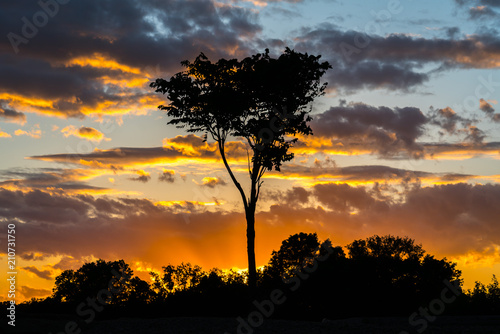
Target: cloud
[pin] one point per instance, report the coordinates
(143, 176)
(32, 256)
(264, 3)
(51, 179)
(45, 274)
(460, 151)
(481, 12)
(382, 130)
(35, 132)
(91, 60)
(83, 225)
(4, 134)
(177, 150)
(493, 3)
(475, 135)
(394, 61)
(447, 119)
(84, 132)
(486, 107)
(11, 115)
(167, 176)
(29, 292)
(212, 182)
(367, 174)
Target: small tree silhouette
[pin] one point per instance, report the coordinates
(264, 100)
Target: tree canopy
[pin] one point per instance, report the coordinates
(259, 98)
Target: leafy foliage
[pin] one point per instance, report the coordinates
(86, 282)
(260, 98)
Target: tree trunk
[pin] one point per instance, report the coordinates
(252, 270)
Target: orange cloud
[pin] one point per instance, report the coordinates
(167, 175)
(29, 292)
(211, 182)
(11, 115)
(84, 132)
(4, 134)
(142, 176)
(365, 175)
(35, 132)
(180, 150)
(98, 60)
(461, 151)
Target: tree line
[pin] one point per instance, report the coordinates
(377, 276)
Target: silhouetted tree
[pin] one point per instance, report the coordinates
(485, 299)
(139, 292)
(393, 272)
(86, 282)
(297, 251)
(264, 100)
(177, 278)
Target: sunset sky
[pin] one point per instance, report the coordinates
(406, 140)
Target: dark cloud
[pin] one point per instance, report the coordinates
(387, 131)
(142, 176)
(297, 196)
(447, 119)
(136, 35)
(474, 134)
(44, 178)
(212, 182)
(486, 107)
(481, 12)
(395, 61)
(189, 147)
(492, 3)
(45, 274)
(167, 176)
(343, 198)
(32, 256)
(377, 174)
(11, 115)
(461, 150)
(372, 74)
(29, 292)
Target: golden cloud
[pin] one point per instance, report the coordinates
(35, 132)
(180, 150)
(4, 134)
(84, 132)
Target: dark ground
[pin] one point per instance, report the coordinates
(446, 324)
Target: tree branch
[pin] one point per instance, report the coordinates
(220, 142)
